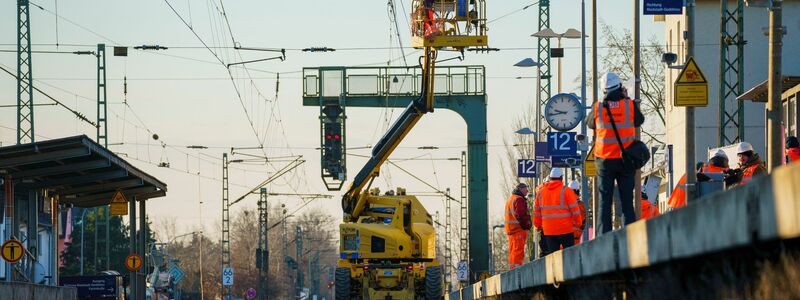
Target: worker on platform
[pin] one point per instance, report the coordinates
(517, 224)
(556, 214)
(792, 149)
(649, 209)
(716, 164)
(610, 167)
(750, 165)
(575, 186)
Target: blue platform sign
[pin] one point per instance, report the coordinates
(540, 152)
(562, 143)
(104, 287)
(569, 161)
(663, 7)
(526, 168)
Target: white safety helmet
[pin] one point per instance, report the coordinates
(556, 173)
(720, 153)
(610, 81)
(744, 147)
(575, 185)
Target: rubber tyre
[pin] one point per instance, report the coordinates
(342, 283)
(433, 283)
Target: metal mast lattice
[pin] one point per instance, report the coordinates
(464, 214)
(25, 133)
(226, 223)
(263, 244)
(448, 243)
(731, 73)
(543, 50)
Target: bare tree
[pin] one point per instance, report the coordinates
(619, 59)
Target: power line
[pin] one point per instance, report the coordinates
(74, 112)
(513, 12)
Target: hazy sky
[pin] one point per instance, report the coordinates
(184, 94)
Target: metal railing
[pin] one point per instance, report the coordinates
(391, 81)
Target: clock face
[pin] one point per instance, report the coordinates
(563, 112)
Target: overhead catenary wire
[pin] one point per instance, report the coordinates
(74, 112)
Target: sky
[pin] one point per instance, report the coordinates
(186, 96)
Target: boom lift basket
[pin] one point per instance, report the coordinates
(453, 24)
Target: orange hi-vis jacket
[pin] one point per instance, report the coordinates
(579, 232)
(512, 225)
(649, 210)
(606, 145)
(555, 209)
(678, 196)
(793, 154)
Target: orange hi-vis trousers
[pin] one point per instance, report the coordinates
(516, 248)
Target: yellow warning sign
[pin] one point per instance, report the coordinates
(119, 206)
(691, 73)
(133, 262)
(589, 167)
(691, 87)
(12, 251)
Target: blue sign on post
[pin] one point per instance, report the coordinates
(526, 168)
(663, 7)
(540, 151)
(562, 143)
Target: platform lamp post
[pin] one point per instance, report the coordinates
(529, 63)
(531, 235)
(548, 33)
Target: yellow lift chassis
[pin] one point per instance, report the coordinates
(388, 242)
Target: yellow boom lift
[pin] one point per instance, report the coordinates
(388, 247)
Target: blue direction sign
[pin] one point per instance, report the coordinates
(526, 168)
(565, 161)
(663, 7)
(562, 143)
(106, 287)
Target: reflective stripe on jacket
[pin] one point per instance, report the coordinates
(606, 145)
(678, 196)
(512, 224)
(556, 209)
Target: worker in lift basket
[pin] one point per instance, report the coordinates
(615, 106)
(792, 149)
(716, 164)
(556, 214)
(750, 165)
(575, 186)
(517, 224)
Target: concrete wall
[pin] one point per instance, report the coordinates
(707, 55)
(24, 291)
(747, 217)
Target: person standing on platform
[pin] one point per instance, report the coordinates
(616, 109)
(517, 224)
(556, 214)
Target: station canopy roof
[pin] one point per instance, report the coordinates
(77, 169)
(759, 92)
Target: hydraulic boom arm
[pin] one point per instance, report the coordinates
(353, 201)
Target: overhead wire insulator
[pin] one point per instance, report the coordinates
(319, 49)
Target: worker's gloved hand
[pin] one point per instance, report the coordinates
(702, 177)
(733, 176)
(577, 234)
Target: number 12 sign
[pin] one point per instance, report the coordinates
(562, 143)
(526, 168)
